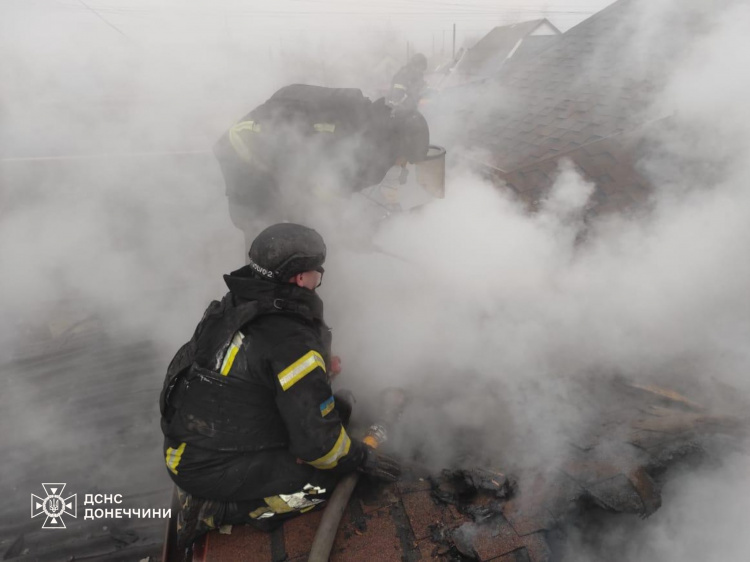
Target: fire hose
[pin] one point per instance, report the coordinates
(329, 523)
(394, 401)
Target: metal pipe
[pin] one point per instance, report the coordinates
(329, 523)
(454, 41)
(105, 156)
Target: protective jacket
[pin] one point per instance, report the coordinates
(253, 378)
(407, 87)
(305, 137)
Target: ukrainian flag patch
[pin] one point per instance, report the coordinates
(326, 407)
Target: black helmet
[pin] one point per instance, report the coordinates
(419, 61)
(286, 249)
(413, 135)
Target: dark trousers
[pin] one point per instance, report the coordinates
(252, 476)
(263, 489)
(258, 199)
(248, 488)
(252, 195)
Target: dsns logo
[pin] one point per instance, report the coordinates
(54, 506)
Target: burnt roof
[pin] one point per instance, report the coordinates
(485, 515)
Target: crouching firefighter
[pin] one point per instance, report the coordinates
(252, 431)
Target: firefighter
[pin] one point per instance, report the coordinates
(252, 431)
(408, 84)
(308, 145)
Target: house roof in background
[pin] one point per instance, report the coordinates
(580, 93)
(501, 45)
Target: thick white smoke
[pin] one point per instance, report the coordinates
(497, 315)
(114, 229)
(492, 316)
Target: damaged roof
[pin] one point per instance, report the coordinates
(586, 96)
(96, 386)
(81, 406)
(479, 514)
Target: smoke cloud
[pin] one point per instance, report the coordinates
(496, 319)
(501, 319)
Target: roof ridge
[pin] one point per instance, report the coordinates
(557, 42)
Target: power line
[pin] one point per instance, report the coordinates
(456, 9)
(368, 14)
(97, 14)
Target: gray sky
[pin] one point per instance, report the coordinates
(70, 55)
(420, 21)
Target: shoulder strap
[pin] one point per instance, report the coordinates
(220, 321)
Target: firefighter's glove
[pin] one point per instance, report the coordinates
(380, 466)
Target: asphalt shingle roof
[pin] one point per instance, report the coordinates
(585, 96)
(502, 44)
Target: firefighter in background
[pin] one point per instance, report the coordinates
(252, 430)
(408, 84)
(309, 144)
